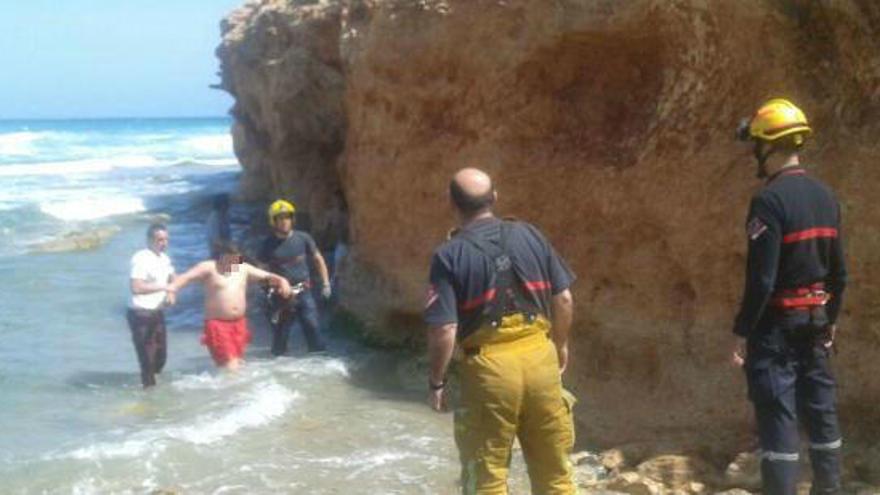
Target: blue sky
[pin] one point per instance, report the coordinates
(111, 58)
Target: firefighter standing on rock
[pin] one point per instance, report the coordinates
(795, 280)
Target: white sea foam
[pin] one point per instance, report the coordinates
(260, 407)
(100, 165)
(126, 449)
(213, 381)
(27, 144)
(22, 144)
(88, 166)
(315, 366)
(202, 381)
(257, 407)
(379, 459)
(92, 208)
(362, 462)
(212, 162)
(212, 145)
(19, 143)
(151, 137)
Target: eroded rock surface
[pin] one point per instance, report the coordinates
(607, 123)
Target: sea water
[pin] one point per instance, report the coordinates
(74, 418)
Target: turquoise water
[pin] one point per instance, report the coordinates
(74, 418)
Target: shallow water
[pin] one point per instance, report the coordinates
(74, 418)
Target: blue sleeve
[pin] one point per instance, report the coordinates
(440, 303)
(561, 276)
(764, 233)
(836, 280)
(264, 255)
(311, 247)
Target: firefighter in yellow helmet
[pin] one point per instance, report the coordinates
(777, 127)
(280, 207)
(785, 328)
(494, 286)
(292, 254)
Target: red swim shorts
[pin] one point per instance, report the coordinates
(226, 339)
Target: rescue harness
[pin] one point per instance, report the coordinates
(507, 294)
(802, 298)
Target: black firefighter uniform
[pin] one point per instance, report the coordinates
(794, 286)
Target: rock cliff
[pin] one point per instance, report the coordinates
(607, 123)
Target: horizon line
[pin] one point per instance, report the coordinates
(150, 117)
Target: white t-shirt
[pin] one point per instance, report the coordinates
(151, 268)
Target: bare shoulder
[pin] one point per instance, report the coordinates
(254, 272)
(249, 268)
(204, 268)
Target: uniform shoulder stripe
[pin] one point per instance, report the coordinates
(814, 233)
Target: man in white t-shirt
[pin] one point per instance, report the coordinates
(151, 272)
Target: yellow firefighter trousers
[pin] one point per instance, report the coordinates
(511, 388)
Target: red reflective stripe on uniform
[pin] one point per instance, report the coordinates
(796, 302)
(800, 291)
(478, 301)
(803, 235)
(801, 297)
(535, 286)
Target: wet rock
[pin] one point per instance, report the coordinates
(744, 471)
(613, 460)
(695, 487)
(860, 488)
(156, 217)
(735, 491)
(678, 472)
(588, 469)
(77, 241)
(633, 483)
(803, 488)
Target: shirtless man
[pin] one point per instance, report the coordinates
(225, 280)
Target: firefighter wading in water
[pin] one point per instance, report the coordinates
(794, 286)
(494, 286)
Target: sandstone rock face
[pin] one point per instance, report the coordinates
(608, 124)
(281, 62)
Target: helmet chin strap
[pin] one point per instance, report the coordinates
(762, 157)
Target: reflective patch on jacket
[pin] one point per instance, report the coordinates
(755, 228)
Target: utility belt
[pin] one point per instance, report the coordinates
(515, 331)
(809, 302)
(275, 304)
(802, 299)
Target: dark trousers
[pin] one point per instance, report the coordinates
(789, 378)
(302, 312)
(148, 336)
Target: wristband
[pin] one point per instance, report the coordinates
(437, 386)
